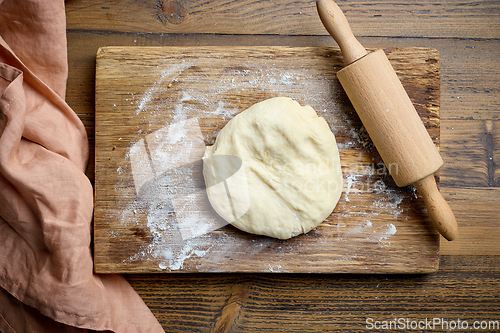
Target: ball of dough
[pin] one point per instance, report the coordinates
(274, 169)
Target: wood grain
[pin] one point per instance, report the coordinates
(479, 216)
(469, 89)
(478, 102)
(476, 139)
(466, 287)
(129, 93)
(468, 19)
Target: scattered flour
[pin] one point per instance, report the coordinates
(373, 233)
(390, 199)
(186, 97)
(170, 118)
(382, 233)
(350, 179)
(170, 192)
(274, 268)
(359, 179)
(165, 75)
(176, 263)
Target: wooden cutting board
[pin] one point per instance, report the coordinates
(158, 107)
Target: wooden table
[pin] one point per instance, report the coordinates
(466, 287)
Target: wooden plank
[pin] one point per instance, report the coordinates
(455, 113)
(322, 303)
(469, 75)
(471, 80)
(492, 138)
(467, 19)
(474, 81)
(470, 152)
(477, 87)
(142, 92)
(478, 214)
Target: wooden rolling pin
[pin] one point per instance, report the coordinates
(389, 117)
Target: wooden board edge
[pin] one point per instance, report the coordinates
(103, 51)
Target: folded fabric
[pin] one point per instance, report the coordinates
(46, 201)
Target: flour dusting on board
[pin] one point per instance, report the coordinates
(387, 203)
(350, 180)
(379, 233)
(171, 210)
(165, 162)
(165, 75)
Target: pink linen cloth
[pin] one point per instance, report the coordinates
(46, 201)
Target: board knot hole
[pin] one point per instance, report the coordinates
(172, 11)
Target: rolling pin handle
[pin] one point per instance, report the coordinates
(336, 24)
(438, 209)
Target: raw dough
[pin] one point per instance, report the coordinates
(274, 169)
